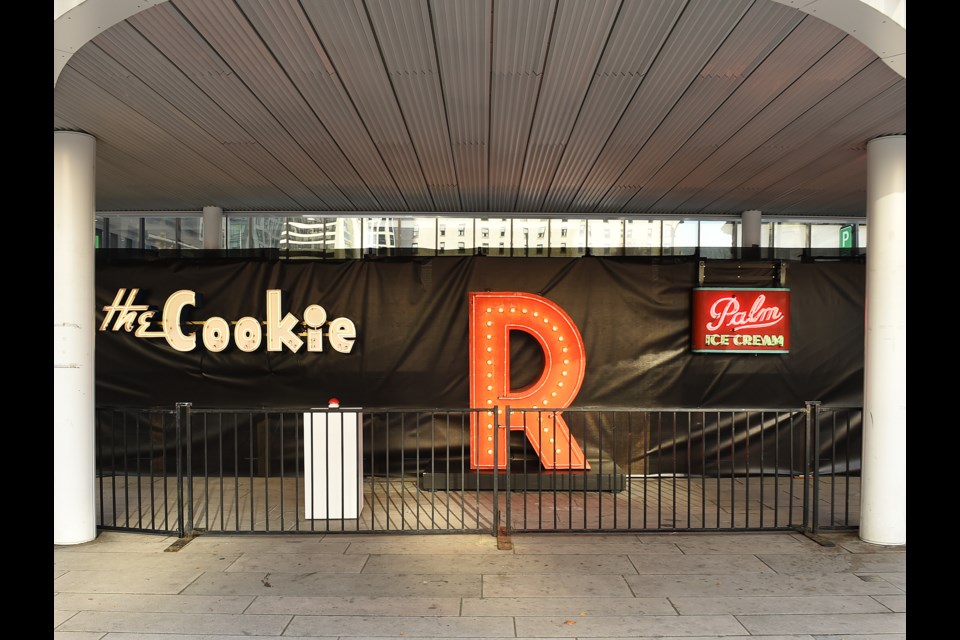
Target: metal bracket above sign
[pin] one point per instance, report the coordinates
(764, 273)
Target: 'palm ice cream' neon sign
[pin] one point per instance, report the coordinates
(741, 320)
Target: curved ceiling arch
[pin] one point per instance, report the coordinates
(523, 107)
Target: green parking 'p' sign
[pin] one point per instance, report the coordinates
(846, 237)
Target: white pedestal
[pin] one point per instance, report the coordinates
(332, 464)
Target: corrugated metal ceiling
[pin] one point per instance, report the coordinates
(597, 107)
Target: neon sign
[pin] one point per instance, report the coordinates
(741, 320)
(247, 332)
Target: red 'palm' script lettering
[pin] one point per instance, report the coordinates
(726, 313)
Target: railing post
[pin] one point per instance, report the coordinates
(496, 472)
(184, 449)
(814, 412)
(806, 467)
(509, 498)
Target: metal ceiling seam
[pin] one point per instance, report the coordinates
(343, 124)
(797, 188)
(849, 97)
(376, 103)
(768, 25)
(160, 74)
(789, 164)
(736, 117)
(437, 171)
(427, 137)
(657, 153)
(619, 73)
(443, 98)
(674, 80)
(163, 111)
(577, 45)
(522, 142)
(266, 137)
(137, 168)
(460, 60)
(674, 61)
(132, 125)
(793, 102)
(265, 76)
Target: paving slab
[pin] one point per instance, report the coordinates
(566, 606)
(79, 635)
(757, 584)
(358, 606)
(698, 564)
(132, 580)
(205, 636)
(555, 585)
(760, 545)
(836, 563)
(122, 542)
(628, 626)
(344, 584)
(403, 626)
(736, 637)
(894, 603)
(852, 623)
(488, 564)
(898, 580)
(866, 636)
(195, 623)
(735, 605)
(551, 547)
(460, 544)
(61, 615)
(298, 563)
(105, 561)
(265, 544)
(152, 603)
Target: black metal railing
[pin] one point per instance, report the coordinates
(300, 470)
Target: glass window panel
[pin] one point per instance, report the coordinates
(160, 233)
(605, 237)
(642, 237)
(790, 234)
(717, 233)
(460, 230)
(680, 237)
(525, 235)
(567, 237)
(825, 236)
(380, 236)
(717, 238)
(255, 232)
(191, 233)
(100, 233)
(765, 231)
(419, 234)
(498, 229)
(124, 232)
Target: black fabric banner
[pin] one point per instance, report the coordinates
(411, 348)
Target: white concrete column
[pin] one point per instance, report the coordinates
(750, 235)
(74, 319)
(883, 499)
(212, 228)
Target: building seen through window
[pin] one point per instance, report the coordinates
(354, 237)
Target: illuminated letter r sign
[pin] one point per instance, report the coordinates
(492, 317)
